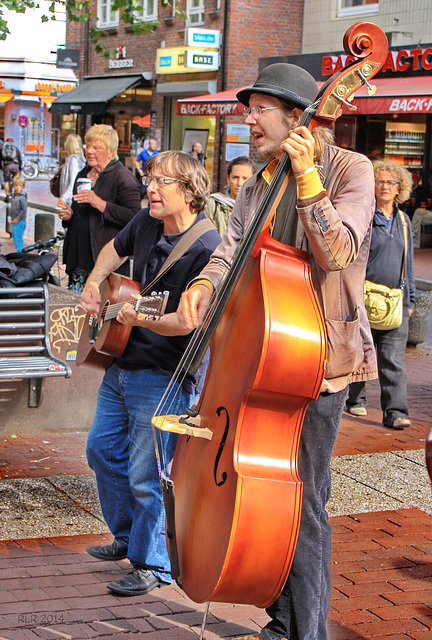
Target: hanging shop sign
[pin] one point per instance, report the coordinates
(67, 59)
(203, 60)
(185, 60)
(202, 38)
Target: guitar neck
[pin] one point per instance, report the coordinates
(153, 305)
(110, 312)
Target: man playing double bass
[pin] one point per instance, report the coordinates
(331, 221)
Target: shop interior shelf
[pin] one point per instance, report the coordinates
(394, 152)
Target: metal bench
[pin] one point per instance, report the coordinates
(25, 351)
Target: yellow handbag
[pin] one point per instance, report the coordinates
(384, 306)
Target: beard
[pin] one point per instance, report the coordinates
(264, 155)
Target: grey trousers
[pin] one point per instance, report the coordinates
(301, 611)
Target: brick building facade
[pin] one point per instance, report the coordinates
(249, 31)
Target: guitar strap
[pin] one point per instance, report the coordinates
(186, 241)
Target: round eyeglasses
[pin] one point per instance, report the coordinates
(91, 147)
(256, 111)
(391, 183)
(158, 180)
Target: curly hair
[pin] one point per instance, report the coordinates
(193, 179)
(401, 174)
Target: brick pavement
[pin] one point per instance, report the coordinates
(381, 563)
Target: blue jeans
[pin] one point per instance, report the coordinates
(301, 610)
(18, 235)
(121, 452)
(390, 347)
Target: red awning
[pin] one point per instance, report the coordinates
(393, 95)
(223, 103)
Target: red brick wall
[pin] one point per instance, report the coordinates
(257, 30)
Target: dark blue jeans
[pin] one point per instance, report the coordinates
(390, 347)
(301, 611)
(121, 452)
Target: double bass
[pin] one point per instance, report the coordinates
(233, 495)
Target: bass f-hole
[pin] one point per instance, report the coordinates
(222, 443)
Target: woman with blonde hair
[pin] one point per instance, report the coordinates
(75, 161)
(110, 199)
(393, 185)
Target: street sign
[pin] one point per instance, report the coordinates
(23, 121)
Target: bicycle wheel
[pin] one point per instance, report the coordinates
(30, 170)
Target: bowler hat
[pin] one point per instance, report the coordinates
(288, 82)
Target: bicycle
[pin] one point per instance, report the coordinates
(45, 247)
(40, 164)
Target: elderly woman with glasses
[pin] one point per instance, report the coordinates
(106, 196)
(393, 185)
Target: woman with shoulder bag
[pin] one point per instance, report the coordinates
(390, 264)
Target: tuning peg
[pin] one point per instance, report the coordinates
(371, 87)
(350, 106)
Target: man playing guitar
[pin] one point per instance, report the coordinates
(120, 447)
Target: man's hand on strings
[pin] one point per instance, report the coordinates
(192, 306)
(91, 298)
(300, 146)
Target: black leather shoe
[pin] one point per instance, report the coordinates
(114, 551)
(138, 582)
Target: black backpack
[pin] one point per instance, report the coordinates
(20, 269)
(9, 152)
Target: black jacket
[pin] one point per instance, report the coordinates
(89, 230)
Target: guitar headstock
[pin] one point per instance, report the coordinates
(368, 46)
(153, 305)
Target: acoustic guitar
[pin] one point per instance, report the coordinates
(103, 338)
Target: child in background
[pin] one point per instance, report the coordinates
(18, 212)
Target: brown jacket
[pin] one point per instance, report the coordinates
(334, 228)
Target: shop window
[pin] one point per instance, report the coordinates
(357, 7)
(195, 12)
(107, 16)
(149, 10)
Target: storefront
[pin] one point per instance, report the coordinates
(27, 90)
(188, 71)
(394, 123)
(123, 101)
